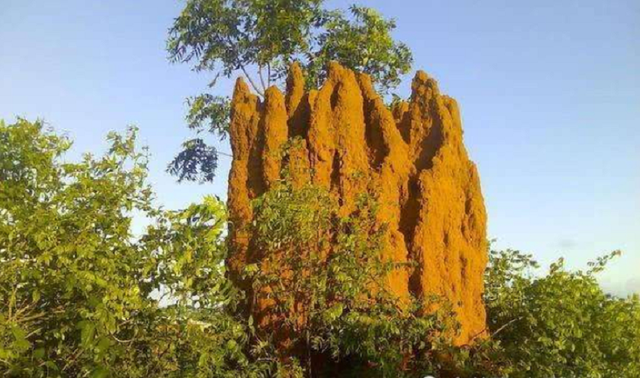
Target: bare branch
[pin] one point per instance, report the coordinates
(269, 73)
(255, 87)
(264, 88)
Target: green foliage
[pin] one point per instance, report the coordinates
(69, 270)
(80, 294)
(260, 39)
(324, 274)
(197, 161)
(225, 36)
(196, 335)
(363, 43)
(561, 324)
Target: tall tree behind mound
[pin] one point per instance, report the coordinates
(259, 39)
(411, 157)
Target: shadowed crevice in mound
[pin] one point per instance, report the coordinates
(411, 157)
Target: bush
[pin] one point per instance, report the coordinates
(79, 293)
(561, 324)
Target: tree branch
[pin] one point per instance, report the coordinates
(497, 331)
(253, 84)
(264, 88)
(269, 73)
(255, 87)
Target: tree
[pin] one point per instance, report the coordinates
(561, 324)
(260, 39)
(68, 264)
(81, 295)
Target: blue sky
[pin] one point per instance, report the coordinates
(549, 93)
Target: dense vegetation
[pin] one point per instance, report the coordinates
(82, 295)
(561, 324)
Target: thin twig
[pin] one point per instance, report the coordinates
(505, 326)
(74, 356)
(124, 341)
(255, 87)
(269, 73)
(497, 331)
(261, 78)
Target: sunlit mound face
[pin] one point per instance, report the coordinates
(411, 158)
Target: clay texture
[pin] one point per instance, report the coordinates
(412, 157)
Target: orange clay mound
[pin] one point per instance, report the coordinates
(412, 157)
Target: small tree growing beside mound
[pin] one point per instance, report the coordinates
(320, 279)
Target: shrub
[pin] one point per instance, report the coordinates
(561, 324)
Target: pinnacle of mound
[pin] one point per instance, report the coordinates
(275, 128)
(346, 139)
(245, 177)
(297, 102)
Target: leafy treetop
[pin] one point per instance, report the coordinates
(260, 39)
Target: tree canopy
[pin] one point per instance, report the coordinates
(260, 39)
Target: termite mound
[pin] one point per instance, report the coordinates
(411, 155)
